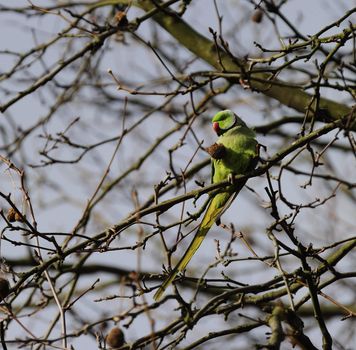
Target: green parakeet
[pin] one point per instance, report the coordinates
(234, 153)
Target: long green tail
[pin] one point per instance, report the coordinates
(215, 207)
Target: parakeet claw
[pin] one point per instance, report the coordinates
(231, 179)
(258, 152)
(259, 146)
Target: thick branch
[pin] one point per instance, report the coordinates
(206, 49)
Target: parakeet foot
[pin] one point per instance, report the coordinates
(258, 149)
(231, 179)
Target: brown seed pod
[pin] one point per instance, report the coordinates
(257, 16)
(216, 151)
(11, 214)
(4, 288)
(115, 338)
(19, 218)
(121, 19)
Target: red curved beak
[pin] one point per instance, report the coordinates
(216, 127)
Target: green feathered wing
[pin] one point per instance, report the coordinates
(241, 155)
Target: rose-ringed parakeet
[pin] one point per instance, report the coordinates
(234, 153)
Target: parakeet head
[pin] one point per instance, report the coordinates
(225, 120)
